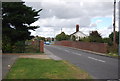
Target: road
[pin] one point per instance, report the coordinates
(99, 67)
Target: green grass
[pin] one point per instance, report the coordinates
(113, 55)
(45, 69)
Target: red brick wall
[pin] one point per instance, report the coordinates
(91, 46)
(41, 46)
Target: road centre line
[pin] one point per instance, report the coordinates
(67, 50)
(73, 52)
(88, 57)
(77, 54)
(96, 59)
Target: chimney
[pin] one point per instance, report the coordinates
(77, 28)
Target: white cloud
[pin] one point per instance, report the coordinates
(61, 14)
(105, 32)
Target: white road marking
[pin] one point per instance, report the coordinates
(67, 50)
(77, 54)
(96, 59)
(73, 52)
(101, 60)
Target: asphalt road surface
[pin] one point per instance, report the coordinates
(99, 67)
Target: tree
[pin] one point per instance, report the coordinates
(62, 36)
(117, 37)
(73, 38)
(40, 38)
(108, 41)
(95, 37)
(85, 39)
(17, 18)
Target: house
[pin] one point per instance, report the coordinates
(78, 34)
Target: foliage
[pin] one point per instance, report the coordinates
(53, 39)
(62, 36)
(6, 45)
(85, 39)
(95, 37)
(17, 18)
(117, 37)
(32, 46)
(32, 49)
(40, 38)
(73, 38)
(112, 49)
(19, 47)
(108, 41)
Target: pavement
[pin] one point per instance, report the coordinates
(7, 60)
(99, 67)
(0, 67)
(35, 56)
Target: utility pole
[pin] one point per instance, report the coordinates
(114, 33)
(61, 30)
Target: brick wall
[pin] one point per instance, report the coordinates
(91, 46)
(41, 46)
(38, 45)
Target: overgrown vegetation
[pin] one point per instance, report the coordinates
(19, 47)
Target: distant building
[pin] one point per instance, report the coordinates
(78, 34)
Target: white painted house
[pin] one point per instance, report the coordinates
(78, 34)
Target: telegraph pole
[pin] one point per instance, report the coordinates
(114, 33)
(61, 30)
(119, 27)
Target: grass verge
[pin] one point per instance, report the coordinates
(115, 55)
(45, 69)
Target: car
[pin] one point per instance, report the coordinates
(47, 43)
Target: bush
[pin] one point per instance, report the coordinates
(112, 49)
(85, 39)
(108, 41)
(19, 47)
(32, 49)
(6, 45)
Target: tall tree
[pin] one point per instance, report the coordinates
(62, 36)
(95, 37)
(117, 37)
(17, 18)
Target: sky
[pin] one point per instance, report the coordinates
(63, 15)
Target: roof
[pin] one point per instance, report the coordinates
(80, 32)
